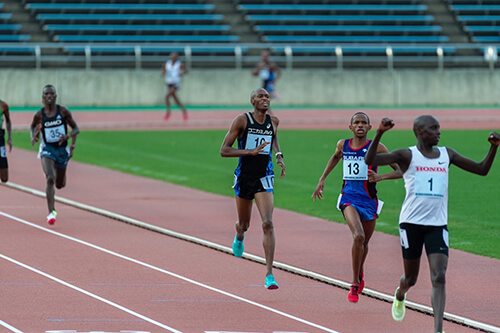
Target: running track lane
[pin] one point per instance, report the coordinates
(40, 303)
(102, 275)
(302, 241)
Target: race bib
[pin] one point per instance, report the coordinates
(355, 170)
(3, 151)
(255, 140)
(52, 134)
(267, 182)
(430, 184)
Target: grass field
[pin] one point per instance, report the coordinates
(191, 158)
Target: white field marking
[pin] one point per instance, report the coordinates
(76, 240)
(7, 326)
(289, 268)
(64, 283)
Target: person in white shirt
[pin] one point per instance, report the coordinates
(424, 215)
(173, 70)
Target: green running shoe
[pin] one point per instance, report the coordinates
(271, 283)
(238, 246)
(398, 308)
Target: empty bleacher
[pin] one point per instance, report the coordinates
(10, 32)
(377, 22)
(479, 18)
(125, 22)
(312, 31)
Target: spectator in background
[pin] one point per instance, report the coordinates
(173, 70)
(269, 72)
(4, 167)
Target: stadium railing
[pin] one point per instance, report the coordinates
(245, 55)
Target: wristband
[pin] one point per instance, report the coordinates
(279, 153)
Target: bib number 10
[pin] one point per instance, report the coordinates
(255, 140)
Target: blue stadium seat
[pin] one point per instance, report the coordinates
(275, 9)
(15, 38)
(339, 18)
(478, 18)
(348, 28)
(53, 28)
(322, 2)
(487, 39)
(484, 9)
(116, 7)
(129, 17)
(5, 16)
(10, 27)
(482, 28)
(146, 38)
(358, 39)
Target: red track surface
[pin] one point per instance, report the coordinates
(226, 293)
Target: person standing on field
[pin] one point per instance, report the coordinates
(173, 70)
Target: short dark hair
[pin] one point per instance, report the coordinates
(360, 113)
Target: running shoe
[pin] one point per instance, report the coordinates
(167, 117)
(361, 282)
(185, 116)
(353, 295)
(51, 218)
(271, 283)
(398, 307)
(238, 246)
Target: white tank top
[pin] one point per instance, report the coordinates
(426, 183)
(173, 74)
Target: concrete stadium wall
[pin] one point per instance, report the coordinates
(233, 87)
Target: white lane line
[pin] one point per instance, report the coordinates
(76, 240)
(83, 291)
(289, 268)
(10, 327)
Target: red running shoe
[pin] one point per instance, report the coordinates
(353, 295)
(361, 282)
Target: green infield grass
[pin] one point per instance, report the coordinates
(191, 158)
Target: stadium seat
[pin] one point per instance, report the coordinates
(146, 38)
(358, 39)
(331, 9)
(36, 8)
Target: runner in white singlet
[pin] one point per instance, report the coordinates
(424, 217)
